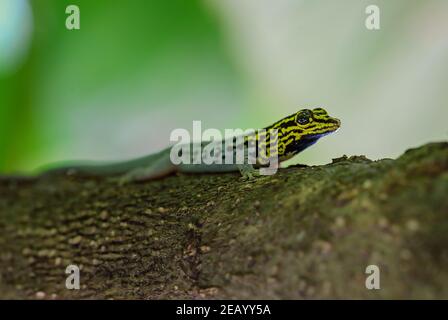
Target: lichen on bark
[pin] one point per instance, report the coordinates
(306, 232)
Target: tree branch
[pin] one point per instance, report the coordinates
(306, 232)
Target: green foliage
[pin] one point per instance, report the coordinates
(125, 60)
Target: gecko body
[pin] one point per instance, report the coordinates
(294, 134)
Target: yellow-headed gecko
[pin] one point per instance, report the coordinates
(294, 134)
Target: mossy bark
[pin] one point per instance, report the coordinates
(306, 232)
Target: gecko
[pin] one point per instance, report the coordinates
(295, 133)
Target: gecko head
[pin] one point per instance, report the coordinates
(302, 129)
(316, 123)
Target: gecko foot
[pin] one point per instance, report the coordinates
(120, 180)
(248, 172)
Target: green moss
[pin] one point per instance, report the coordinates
(306, 232)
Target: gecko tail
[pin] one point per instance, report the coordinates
(95, 168)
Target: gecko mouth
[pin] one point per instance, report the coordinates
(334, 128)
(335, 125)
(326, 131)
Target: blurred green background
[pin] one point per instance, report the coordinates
(138, 69)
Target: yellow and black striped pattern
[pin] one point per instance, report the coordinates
(294, 133)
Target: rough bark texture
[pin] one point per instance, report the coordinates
(306, 232)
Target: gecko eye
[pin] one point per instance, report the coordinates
(303, 117)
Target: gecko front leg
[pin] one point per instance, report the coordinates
(248, 172)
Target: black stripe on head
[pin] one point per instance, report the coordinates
(319, 111)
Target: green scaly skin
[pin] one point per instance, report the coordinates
(295, 133)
